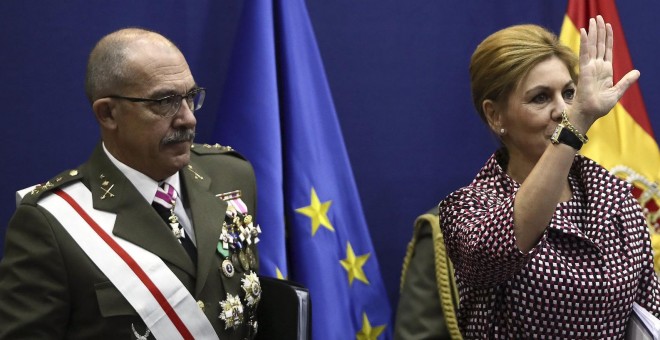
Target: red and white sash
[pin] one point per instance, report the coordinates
(158, 296)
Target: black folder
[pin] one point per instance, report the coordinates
(285, 310)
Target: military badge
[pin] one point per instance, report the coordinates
(227, 268)
(252, 259)
(252, 288)
(232, 311)
(243, 259)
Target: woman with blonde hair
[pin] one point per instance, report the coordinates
(545, 242)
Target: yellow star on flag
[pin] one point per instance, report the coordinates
(318, 212)
(278, 273)
(367, 332)
(353, 265)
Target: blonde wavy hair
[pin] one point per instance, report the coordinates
(505, 57)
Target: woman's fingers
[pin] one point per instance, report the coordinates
(600, 39)
(609, 44)
(597, 41)
(584, 47)
(596, 92)
(591, 39)
(625, 82)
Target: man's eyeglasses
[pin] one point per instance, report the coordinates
(170, 105)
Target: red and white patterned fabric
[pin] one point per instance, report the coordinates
(580, 281)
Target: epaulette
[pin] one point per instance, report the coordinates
(68, 176)
(215, 149)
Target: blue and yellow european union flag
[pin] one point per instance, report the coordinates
(277, 110)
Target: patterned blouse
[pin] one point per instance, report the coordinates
(579, 282)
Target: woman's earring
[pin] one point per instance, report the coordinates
(502, 132)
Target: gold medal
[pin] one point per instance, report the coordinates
(235, 261)
(251, 258)
(244, 261)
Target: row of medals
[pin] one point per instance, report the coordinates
(237, 235)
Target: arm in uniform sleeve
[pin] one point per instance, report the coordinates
(32, 279)
(419, 314)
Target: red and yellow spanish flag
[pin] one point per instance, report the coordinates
(623, 141)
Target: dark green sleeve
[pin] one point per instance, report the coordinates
(419, 314)
(33, 291)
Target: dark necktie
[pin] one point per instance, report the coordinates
(164, 202)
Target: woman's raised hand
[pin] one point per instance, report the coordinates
(596, 94)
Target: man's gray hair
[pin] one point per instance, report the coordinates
(106, 67)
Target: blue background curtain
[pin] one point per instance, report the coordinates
(397, 70)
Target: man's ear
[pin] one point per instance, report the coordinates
(104, 112)
(493, 116)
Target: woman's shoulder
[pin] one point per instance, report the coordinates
(491, 182)
(471, 197)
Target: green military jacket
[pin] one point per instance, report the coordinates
(428, 299)
(50, 289)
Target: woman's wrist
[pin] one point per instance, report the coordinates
(567, 133)
(581, 123)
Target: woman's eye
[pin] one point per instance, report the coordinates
(569, 94)
(541, 98)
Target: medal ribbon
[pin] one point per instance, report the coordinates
(239, 205)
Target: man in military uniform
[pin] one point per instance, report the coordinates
(152, 237)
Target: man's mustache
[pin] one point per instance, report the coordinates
(178, 136)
